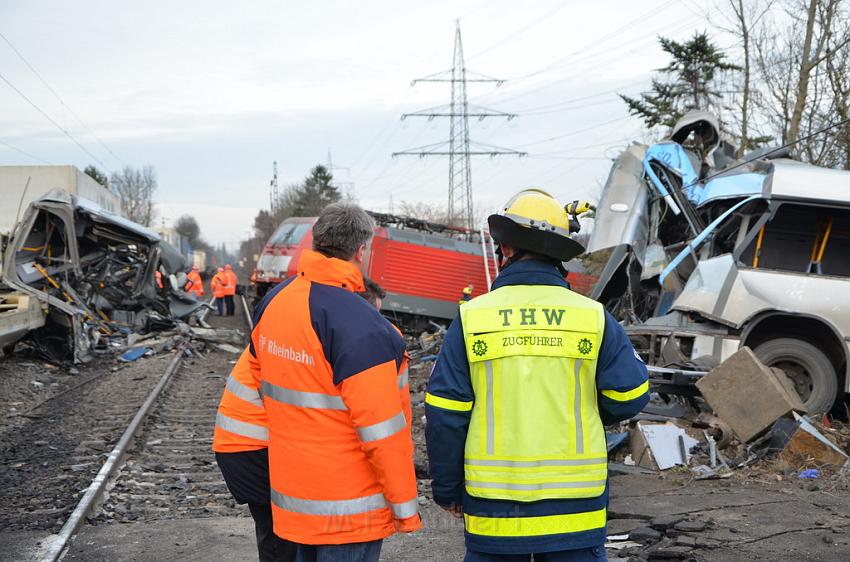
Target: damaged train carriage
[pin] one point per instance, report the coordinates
(710, 253)
(95, 274)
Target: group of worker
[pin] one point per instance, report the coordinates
(313, 430)
(223, 285)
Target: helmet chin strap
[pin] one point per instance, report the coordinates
(518, 255)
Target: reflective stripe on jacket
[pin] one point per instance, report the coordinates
(340, 448)
(241, 423)
(232, 281)
(516, 401)
(534, 433)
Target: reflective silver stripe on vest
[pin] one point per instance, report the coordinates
(535, 464)
(406, 509)
(383, 429)
(490, 414)
(328, 507)
(244, 429)
(536, 486)
(577, 411)
(402, 379)
(302, 399)
(246, 393)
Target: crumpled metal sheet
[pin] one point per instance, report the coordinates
(95, 273)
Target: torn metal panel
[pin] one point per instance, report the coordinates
(773, 255)
(623, 207)
(721, 291)
(95, 272)
(19, 313)
(797, 180)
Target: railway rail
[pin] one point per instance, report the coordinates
(157, 465)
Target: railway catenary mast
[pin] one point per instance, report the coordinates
(460, 148)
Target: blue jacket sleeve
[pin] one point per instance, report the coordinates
(448, 405)
(621, 378)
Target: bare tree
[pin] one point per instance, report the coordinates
(838, 75)
(135, 187)
(743, 20)
(430, 212)
(794, 53)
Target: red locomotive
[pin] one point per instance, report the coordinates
(423, 266)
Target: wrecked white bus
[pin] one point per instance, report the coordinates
(710, 253)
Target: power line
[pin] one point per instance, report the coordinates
(61, 101)
(521, 30)
(677, 25)
(615, 33)
(55, 124)
(24, 152)
(572, 133)
(459, 145)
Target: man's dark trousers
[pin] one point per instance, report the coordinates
(353, 552)
(231, 305)
(247, 477)
(219, 305)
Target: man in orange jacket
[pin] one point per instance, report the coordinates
(230, 289)
(218, 284)
(194, 285)
(327, 363)
(241, 450)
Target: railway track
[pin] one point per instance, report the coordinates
(131, 446)
(171, 472)
(58, 446)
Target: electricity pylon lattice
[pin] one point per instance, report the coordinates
(459, 148)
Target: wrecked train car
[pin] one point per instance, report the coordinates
(97, 275)
(710, 253)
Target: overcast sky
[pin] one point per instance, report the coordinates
(211, 93)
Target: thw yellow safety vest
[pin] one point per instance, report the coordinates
(535, 431)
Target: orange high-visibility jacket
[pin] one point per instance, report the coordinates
(232, 281)
(340, 449)
(218, 284)
(194, 284)
(241, 423)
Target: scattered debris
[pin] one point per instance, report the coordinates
(802, 445)
(747, 395)
(614, 440)
(228, 348)
(661, 446)
(97, 276)
(133, 354)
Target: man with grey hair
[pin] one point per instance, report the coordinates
(340, 448)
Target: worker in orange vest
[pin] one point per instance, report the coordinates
(218, 284)
(241, 443)
(230, 289)
(194, 284)
(327, 366)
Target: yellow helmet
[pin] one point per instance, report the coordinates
(533, 220)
